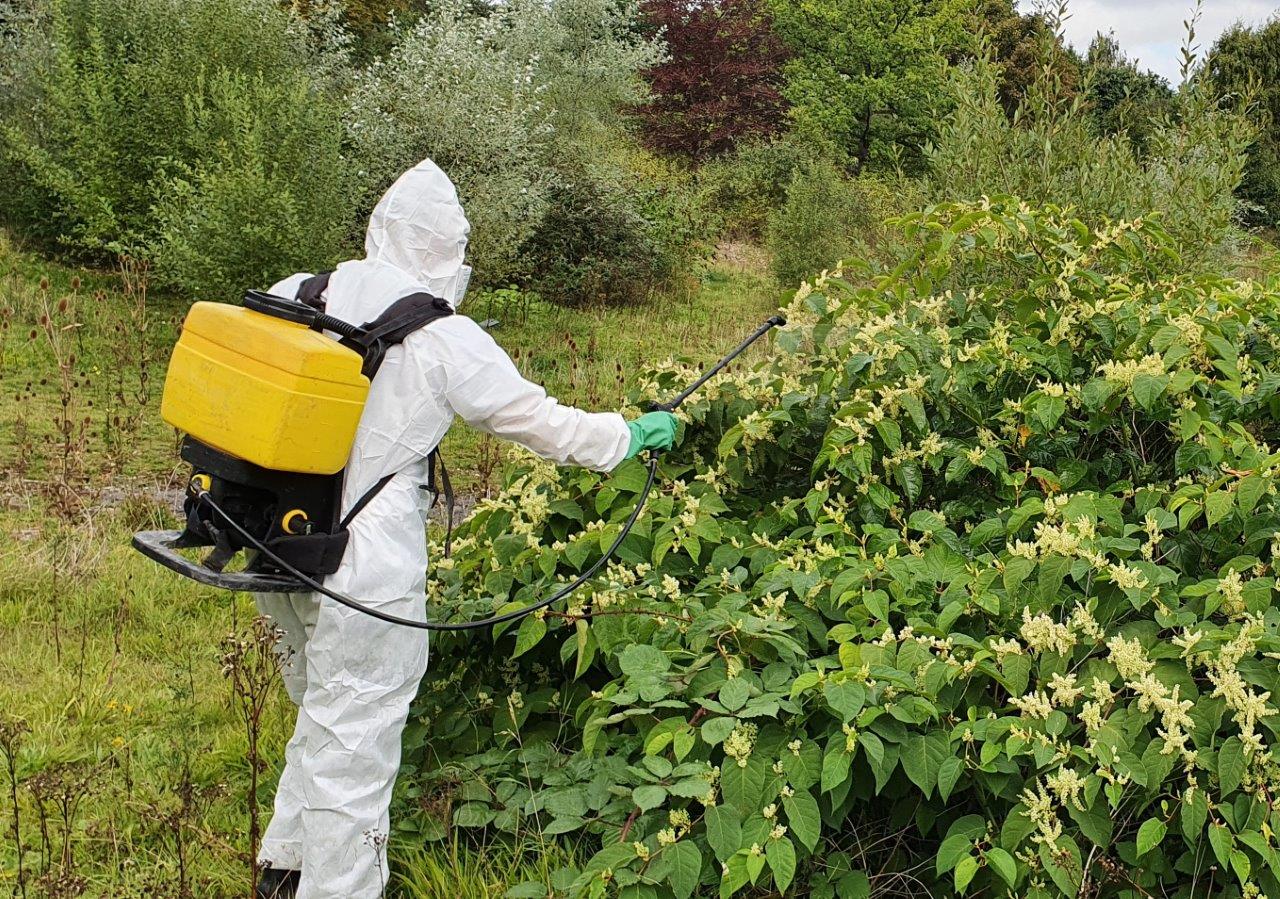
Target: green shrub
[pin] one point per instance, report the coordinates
(969, 587)
(267, 196)
(1244, 64)
(1050, 152)
(1123, 97)
(827, 215)
(610, 235)
(120, 99)
(502, 99)
(746, 188)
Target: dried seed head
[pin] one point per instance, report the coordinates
(75, 282)
(44, 283)
(62, 305)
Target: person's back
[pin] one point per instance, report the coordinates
(353, 676)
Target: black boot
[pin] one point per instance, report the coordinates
(277, 883)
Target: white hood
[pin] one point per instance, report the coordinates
(419, 228)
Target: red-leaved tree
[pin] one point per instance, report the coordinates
(722, 78)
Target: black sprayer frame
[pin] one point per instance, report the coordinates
(162, 545)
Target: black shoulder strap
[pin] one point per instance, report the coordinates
(397, 322)
(437, 482)
(309, 290)
(364, 501)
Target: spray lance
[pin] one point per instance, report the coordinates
(307, 582)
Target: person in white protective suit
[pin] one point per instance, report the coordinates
(352, 676)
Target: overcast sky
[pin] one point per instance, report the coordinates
(1152, 30)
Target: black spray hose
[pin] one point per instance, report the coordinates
(314, 585)
(671, 405)
(202, 496)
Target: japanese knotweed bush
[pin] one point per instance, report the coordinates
(967, 588)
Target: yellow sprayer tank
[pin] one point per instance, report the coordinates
(266, 390)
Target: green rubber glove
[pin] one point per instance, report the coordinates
(653, 430)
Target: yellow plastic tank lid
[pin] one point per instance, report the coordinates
(242, 331)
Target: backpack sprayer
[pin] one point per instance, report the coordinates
(269, 406)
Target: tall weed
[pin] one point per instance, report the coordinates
(1050, 151)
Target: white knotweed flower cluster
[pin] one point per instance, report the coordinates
(740, 743)
(1042, 634)
(1072, 539)
(1057, 390)
(1067, 785)
(679, 819)
(620, 583)
(1131, 660)
(928, 448)
(527, 496)
(670, 587)
(1125, 371)
(1249, 374)
(770, 606)
(1093, 715)
(1247, 705)
(1034, 705)
(807, 555)
(1083, 622)
(1154, 535)
(1065, 691)
(1175, 722)
(891, 394)
(799, 314)
(1191, 330)
(1126, 578)
(1041, 811)
(1004, 648)
(1187, 640)
(1129, 657)
(1054, 503)
(1231, 589)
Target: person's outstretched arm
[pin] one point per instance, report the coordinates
(485, 389)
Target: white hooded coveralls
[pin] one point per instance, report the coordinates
(351, 675)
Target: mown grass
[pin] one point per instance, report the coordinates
(129, 754)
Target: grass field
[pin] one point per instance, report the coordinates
(126, 759)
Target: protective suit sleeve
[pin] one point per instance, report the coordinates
(483, 386)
